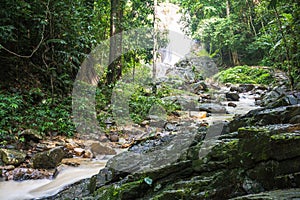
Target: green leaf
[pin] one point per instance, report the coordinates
(13, 105)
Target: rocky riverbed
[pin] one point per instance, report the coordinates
(256, 156)
(212, 148)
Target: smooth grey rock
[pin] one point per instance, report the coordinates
(236, 89)
(212, 108)
(247, 87)
(186, 102)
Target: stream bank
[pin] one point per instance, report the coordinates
(256, 156)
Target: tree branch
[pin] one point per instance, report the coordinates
(39, 44)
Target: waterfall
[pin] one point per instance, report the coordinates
(179, 44)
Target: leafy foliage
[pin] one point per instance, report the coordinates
(248, 32)
(19, 112)
(50, 117)
(245, 74)
(42, 46)
(141, 102)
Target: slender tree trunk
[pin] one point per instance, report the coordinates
(154, 41)
(154, 48)
(119, 42)
(115, 65)
(250, 4)
(232, 52)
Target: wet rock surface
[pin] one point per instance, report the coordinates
(274, 195)
(259, 153)
(232, 96)
(48, 159)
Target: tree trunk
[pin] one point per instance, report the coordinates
(154, 89)
(154, 41)
(115, 65)
(232, 52)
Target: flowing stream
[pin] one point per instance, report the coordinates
(34, 189)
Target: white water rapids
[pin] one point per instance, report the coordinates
(33, 189)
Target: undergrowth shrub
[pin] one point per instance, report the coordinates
(245, 75)
(22, 111)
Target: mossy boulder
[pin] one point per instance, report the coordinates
(48, 159)
(12, 157)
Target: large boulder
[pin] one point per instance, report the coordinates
(247, 87)
(12, 157)
(99, 149)
(48, 159)
(232, 96)
(187, 102)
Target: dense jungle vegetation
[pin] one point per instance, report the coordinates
(43, 43)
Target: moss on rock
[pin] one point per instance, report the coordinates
(12, 157)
